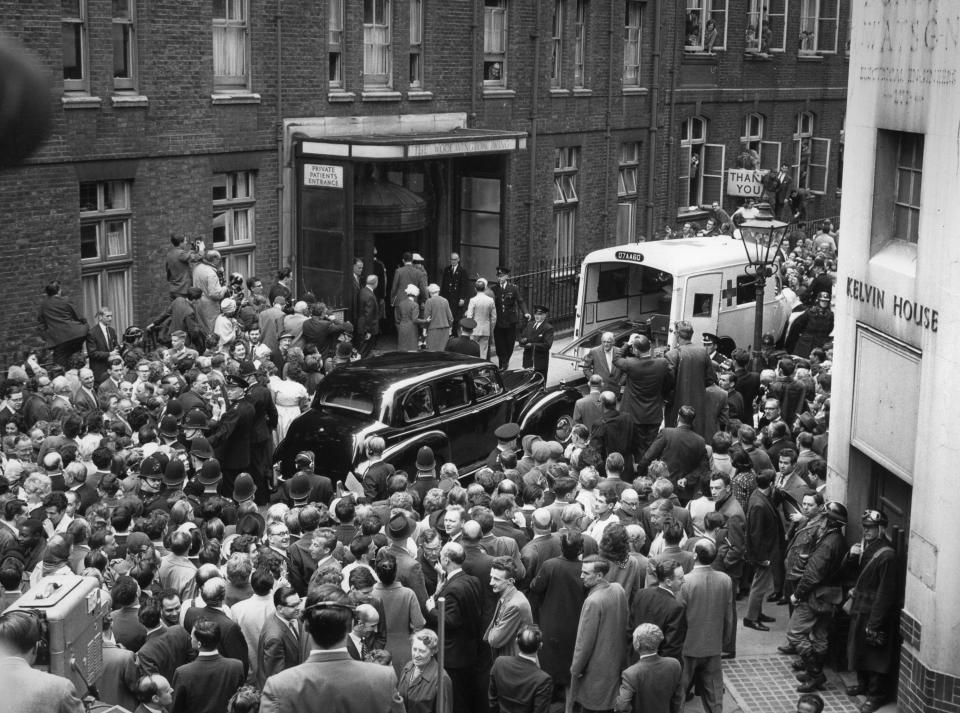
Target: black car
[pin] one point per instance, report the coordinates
(450, 402)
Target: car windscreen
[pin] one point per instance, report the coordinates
(347, 395)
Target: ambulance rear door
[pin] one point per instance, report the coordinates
(701, 302)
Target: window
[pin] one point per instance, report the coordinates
(701, 166)
(557, 44)
(105, 257)
(124, 46)
(811, 155)
(706, 25)
(486, 382)
(755, 153)
(335, 43)
(377, 69)
(580, 45)
(452, 393)
(906, 206)
(233, 221)
(416, 44)
(627, 192)
(495, 43)
(746, 289)
(418, 404)
(819, 24)
(766, 26)
(565, 200)
(74, 31)
(631, 43)
(230, 45)
(480, 218)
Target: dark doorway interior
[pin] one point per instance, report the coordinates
(390, 249)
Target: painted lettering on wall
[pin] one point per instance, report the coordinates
(900, 307)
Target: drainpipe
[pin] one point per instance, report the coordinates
(652, 135)
(671, 147)
(534, 116)
(279, 127)
(476, 40)
(607, 139)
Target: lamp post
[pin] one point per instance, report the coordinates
(761, 241)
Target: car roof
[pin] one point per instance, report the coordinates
(391, 367)
(678, 257)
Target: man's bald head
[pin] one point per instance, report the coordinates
(367, 614)
(541, 519)
(471, 531)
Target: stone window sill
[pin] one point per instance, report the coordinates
(341, 97)
(498, 93)
(419, 95)
(381, 96)
(634, 91)
(81, 101)
(128, 100)
(235, 98)
(582, 92)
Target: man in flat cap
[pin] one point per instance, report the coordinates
(506, 443)
(464, 344)
(510, 308)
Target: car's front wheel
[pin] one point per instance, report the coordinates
(563, 425)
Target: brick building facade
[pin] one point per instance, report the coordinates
(517, 131)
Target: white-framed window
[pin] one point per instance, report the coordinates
(231, 45)
(752, 135)
(416, 44)
(705, 27)
(580, 45)
(906, 206)
(701, 166)
(565, 200)
(495, 43)
(811, 155)
(766, 26)
(756, 153)
(377, 64)
(631, 43)
(335, 43)
(74, 38)
(556, 43)
(819, 26)
(628, 172)
(234, 206)
(124, 46)
(105, 254)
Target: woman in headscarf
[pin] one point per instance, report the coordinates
(408, 328)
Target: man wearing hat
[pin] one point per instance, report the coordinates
(405, 275)
(464, 344)
(456, 287)
(305, 486)
(483, 310)
(536, 340)
(426, 473)
(409, 572)
(691, 371)
(510, 307)
(151, 476)
(264, 422)
(506, 442)
(233, 436)
(874, 613)
(710, 343)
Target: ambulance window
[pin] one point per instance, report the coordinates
(613, 283)
(702, 304)
(746, 289)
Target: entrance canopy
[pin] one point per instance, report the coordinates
(397, 147)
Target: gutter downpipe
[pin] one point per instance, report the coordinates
(534, 116)
(654, 119)
(607, 119)
(280, 132)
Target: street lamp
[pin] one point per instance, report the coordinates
(761, 241)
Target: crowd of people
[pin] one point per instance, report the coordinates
(596, 574)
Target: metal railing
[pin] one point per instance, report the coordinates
(554, 284)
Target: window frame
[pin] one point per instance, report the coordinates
(805, 163)
(566, 200)
(486, 372)
(495, 41)
(627, 200)
(443, 409)
(812, 27)
(556, 44)
(74, 85)
(581, 14)
(415, 76)
(232, 249)
(706, 9)
(632, 36)
(758, 12)
(104, 265)
(378, 81)
(335, 10)
(428, 387)
(913, 212)
(232, 83)
(126, 84)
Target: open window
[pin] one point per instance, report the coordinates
(452, 393)
(418, 404)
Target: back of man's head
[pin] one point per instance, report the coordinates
(214, 591)
(529, 639)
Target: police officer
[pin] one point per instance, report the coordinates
(464, 344)
(506, 443)
(510, 307)
(536, 341)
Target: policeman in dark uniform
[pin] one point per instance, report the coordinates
(536, 340)
(506, 443)
(464, 344)
(510, 308)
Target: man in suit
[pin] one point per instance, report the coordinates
(60, 326)
(206, 684)
(536, 340)
(456, 287)
(179, 271)
(588, 409)
(232, 439)
(600, 361)
(711, 625)
(483, 310)
(406, 274)
(102, 344)
(166, 653)
(512, 612)
(651, 685)
(127, 628)
(230, 640)
(329, 678)
(271, 323)
(279, 645)
(85, 398)
(495, 545)
(368, 317)
(463, 625)
(781, 189)
(691, 371)
(614, 433)
(517, 684)
(544, 546)
(600, 651)
(409, 572)
(763, 546)
(647, 383)
(465, 344)
(660, 605)
(510, 307)
(261, 434)
(354, 285)
(684, 452)
(26, 688)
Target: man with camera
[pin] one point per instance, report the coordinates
(648, 383)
